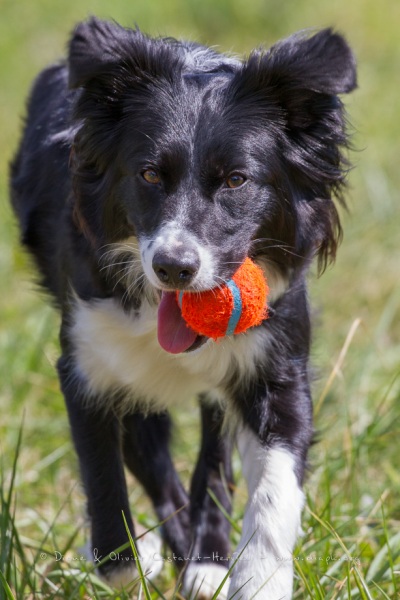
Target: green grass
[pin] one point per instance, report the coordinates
(351, 542)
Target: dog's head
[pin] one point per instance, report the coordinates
(202, 159)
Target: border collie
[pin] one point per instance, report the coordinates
(154, 165)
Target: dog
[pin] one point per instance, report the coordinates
(148, 166)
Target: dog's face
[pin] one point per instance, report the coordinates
(205, 160)
(193, 187)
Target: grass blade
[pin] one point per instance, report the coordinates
(227, 516)
(137, 560)
(6, 587)
(338, 365)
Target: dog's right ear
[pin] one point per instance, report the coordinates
(99, 49)
(93, 49)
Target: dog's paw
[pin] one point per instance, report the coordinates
(149, 548)
(119, 575)
(201, 581)
(261, 579)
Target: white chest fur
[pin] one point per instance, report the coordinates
(115, 350)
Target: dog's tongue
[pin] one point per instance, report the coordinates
(173, 333)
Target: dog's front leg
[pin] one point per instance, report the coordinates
(97, 438)
(273, 462)
(271, 523)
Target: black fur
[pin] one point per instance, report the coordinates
(122, 104)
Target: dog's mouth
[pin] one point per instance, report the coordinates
(174, 335)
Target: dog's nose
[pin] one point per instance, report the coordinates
(176, 269)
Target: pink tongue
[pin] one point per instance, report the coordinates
(173, 333)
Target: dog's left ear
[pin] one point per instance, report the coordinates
(293, 89)
(323, 63)
(298, 75)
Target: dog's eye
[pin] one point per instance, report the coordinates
(235, 180)
(151, 176)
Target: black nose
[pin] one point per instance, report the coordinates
(176, 269)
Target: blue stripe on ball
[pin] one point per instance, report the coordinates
(180, 299)
(237, 307)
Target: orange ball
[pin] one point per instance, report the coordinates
(229, 309)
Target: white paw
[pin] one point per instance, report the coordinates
(149, 549)
(258, 579)
(121, 577)
(201, 581)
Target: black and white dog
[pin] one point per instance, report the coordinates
(153, 165)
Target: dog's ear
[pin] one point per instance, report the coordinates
(103, 52)
(299, 75)
(293, 90)
(92, 50)
(323, 63)
(115, 68)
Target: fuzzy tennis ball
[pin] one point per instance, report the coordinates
(232, 308)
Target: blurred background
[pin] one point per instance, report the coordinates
(356, 352)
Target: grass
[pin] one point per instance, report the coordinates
(351, 542)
